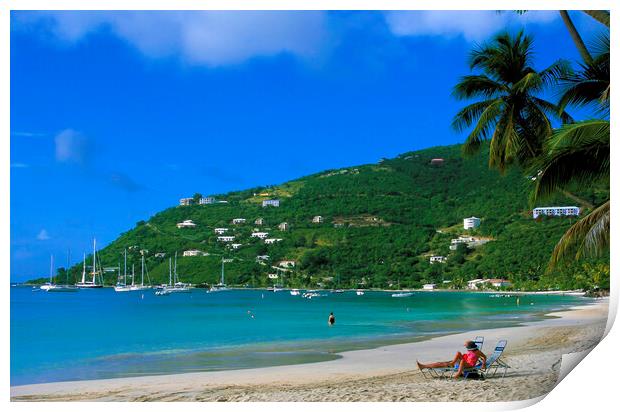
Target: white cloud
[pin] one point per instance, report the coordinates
(43, 235)
(71, 147)
(473, 26)
(211, 38)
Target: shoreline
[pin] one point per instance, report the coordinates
(391, 367)
(286, 289)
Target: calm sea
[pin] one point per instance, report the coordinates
(95, 334)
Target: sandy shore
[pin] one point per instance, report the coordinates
(383, 374)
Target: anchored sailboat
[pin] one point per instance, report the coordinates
(220, 286)
(90, 284)
(51, 287)
(141, 286)
(123, 286)
(177, 286)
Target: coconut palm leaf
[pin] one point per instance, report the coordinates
(576, 153)
(588, 237)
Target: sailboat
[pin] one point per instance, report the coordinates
(123, 286)
(220, 286)
(88, 284)
(141, 286)
(177, 286)
(51, 287)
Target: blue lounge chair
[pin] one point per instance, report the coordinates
(493, 365)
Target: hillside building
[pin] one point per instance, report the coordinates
(192, 252)
(471, 223)
(238, 221)
(437, 161)
(220, 230)
(438, 259)
(556, 211)
(260, 235)
(236, 245)
(283, 226)
(206, 200)
(286, 263)
(272, 241)
(317, 219)
(429, 286)
(186, 223)
(259, 222)
(225, 238)
(186, 201)
(271, 202)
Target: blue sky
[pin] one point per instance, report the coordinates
(116, 115)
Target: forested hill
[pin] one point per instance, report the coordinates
(381, 223)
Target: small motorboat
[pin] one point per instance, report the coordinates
(402, 295)
(295, 292)
(359, 292)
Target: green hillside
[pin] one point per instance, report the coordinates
(381, 223)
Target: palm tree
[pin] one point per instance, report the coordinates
(577, 153)
(510, 113)
(590, 85)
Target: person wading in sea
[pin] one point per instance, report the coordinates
(332, 319)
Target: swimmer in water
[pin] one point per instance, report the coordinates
(332, 319)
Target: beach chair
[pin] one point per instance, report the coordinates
(479, 341)
(493, 365)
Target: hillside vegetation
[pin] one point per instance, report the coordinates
(381, 224)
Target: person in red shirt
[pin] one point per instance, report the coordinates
(461, 361)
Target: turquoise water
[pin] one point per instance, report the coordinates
(97, 334)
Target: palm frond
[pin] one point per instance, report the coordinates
(575, 153)
(477, 86)
(602, 16)
(589, 237)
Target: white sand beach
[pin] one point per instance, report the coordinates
(387, 373)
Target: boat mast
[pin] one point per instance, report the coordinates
(222, 278)
(67, 269)
(176, 279)
(170, 271)
(94, 259)
(125, 270)
(51, 267)
(84, 269)
(142, 276)
(133, 274)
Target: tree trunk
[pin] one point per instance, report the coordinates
(581, 46)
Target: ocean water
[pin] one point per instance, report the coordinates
(94, 334)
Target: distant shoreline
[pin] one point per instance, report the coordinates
(500, 291)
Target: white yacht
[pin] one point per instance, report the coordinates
(52, 287)
(90, 284)
(123, 286)
(220, 286)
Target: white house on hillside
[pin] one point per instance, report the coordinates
(283, 226)
(186, 223)
(238, 221)
(438, 259)
(259, 222)
(286, 263)
(236, 245)
(556, 211)
(225, 238)
(272, 240)
(220, 230)
(192, 252)
(429, 286)
(471, 222)
(317, 219)
(260, 235)
(271, 202)
(206, 200)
